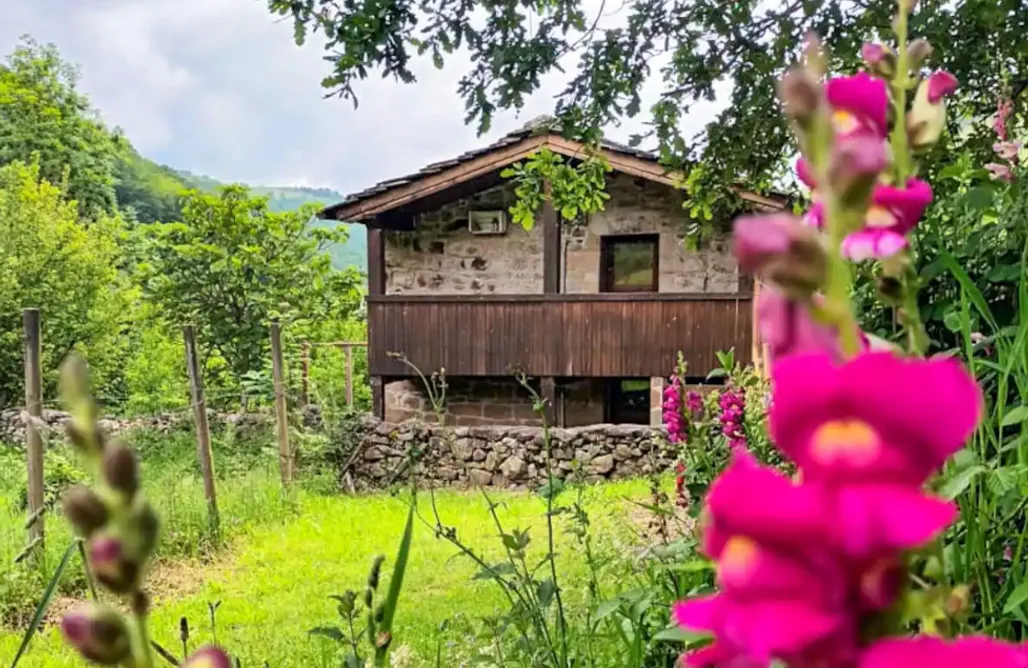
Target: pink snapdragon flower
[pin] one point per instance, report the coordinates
(860, 104)
(733, 412)
(1000, 171)
(877, 417)
(871, 443)
(1007, 150)
(939, 653)
(674, 420)
(788, 328)
(1004, 109)
(893, 214)
(940, 85)
(208, 657)
(694, 404)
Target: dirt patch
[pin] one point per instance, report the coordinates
(167, 580)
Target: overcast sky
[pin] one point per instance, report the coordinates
(218, 87)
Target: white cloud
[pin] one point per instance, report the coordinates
(218, 87)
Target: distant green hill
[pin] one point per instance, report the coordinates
(289, 198)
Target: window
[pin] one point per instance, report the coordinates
(629, 263)
(627, 401)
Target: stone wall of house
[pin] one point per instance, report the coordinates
(493, 401)
(443, 257)
(506, 456)
(637, 206)
(469, 402)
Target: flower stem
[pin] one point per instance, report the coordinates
(900, 83)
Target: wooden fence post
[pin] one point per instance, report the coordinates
(285, 457)
(203, 428)
(349, 375)
(305, 373)
(34, 411)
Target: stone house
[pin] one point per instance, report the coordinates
(593, 313)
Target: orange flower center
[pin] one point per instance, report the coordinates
(879, 217)
(843, 122)
(738, 559)
(851, 440)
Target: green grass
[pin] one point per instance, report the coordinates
(284, 554)
(274, 581)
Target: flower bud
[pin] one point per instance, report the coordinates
(84, 510)
(111, 566)
(854, 167)
(376, 570)
(148, 525)
(208, 657)
(782, 248)
(801, 95)
(88, 440)
(958, 602)
(120, 469)
(927, 116)
(918, 53)
(98, 633)
(880, 60)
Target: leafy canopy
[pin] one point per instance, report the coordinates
(231, 265)
(681, 48)
(51, 260)
(43, 114)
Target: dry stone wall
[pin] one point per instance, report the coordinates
(506, 456)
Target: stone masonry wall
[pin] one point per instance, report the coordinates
(637, 206)
(469, 402)
(443, 257)
(507, 456)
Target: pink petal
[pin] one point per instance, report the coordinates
(863, 96)
(888, 244)
(862, 245)
(701, 613)
(933, 404)
(941, 84)
(804, 389)
(805, 173)
(717, 655)
(873, 519)
(788, 513)
(788, 328)
(908, 203)
(938, 653)
(771, 629)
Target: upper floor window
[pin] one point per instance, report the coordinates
(628, 263)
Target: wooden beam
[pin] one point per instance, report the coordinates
(33, 439)
(550, 221)
(549, 393)
(378, 397)
(376, 263)
(447, 178)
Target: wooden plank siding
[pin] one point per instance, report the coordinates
(557, 335)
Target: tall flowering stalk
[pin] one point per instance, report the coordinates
(816, 570)
(120, 530)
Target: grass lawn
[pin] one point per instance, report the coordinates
(287, 555)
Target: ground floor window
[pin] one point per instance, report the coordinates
(627, 401)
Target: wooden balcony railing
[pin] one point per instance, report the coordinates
(560, 335)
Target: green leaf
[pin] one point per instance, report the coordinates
(545, 592)
(44, 603)
(972, 291)
(1002, 273)
(952, 321)
(1016, 598)
(957, 483)
(1015, 416)
(717, 373)
(678, 634)
(979, 198)
(328, 632)
(396, 582)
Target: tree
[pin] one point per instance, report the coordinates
(513, 45)
(231, 265)
(43, 114)
(51, 260)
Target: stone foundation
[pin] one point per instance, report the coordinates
(12, 426)
(507, 456)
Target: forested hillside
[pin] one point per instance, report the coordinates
(118, 252)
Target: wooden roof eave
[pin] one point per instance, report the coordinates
(365, 209)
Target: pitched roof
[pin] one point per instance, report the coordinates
(534, 135)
